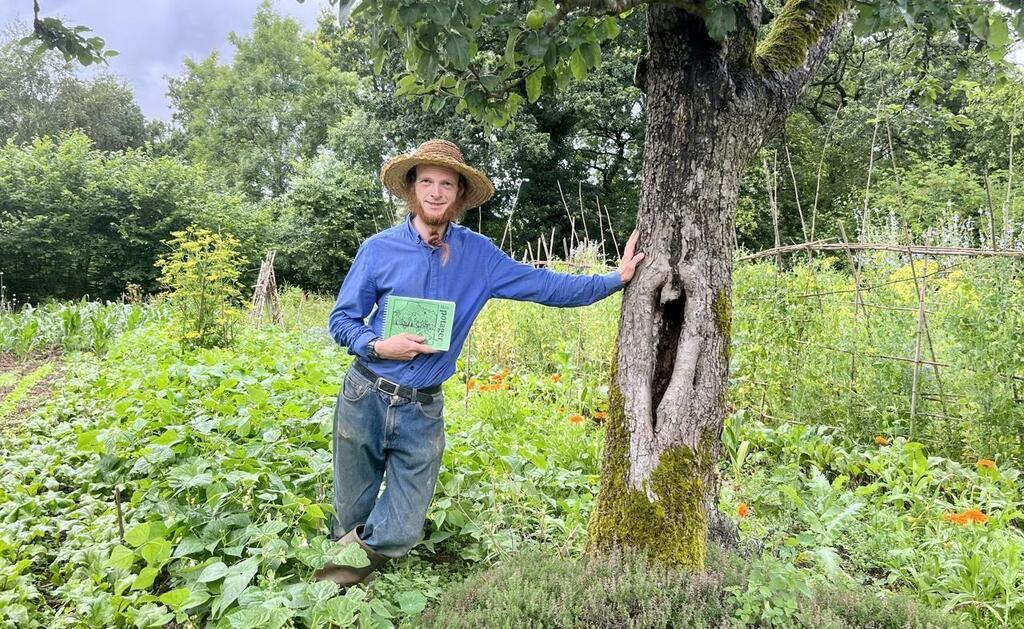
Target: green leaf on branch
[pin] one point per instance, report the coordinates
(457, 48)
(998, 32)
(536, 44)
(510, 47)
(578, 65)
(534, 81)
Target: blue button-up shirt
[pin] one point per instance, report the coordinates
(398, 261)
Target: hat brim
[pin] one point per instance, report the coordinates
(479, 188)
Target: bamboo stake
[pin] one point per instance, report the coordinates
(1009, 184)
(928, 335)
(991, 212)
(859, 300)
(568, 214)
(120, 513)
(773, 205)
(917, 346)
(821, 164)
(895, 171)
(796, 192)
(508, 224)
(866, 215)
(600, 225)
(583, 216)
(611, 230)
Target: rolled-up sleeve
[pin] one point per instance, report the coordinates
(510, 279)
(355, 301)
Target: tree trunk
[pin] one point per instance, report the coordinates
(705, 122)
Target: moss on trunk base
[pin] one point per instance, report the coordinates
(672, 528)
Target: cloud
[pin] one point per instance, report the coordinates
(154, 37)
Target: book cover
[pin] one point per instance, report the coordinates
(429, 318)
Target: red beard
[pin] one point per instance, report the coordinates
(453, 213)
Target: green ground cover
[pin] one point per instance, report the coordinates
(220, 458)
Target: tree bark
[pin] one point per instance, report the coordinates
(707, 116)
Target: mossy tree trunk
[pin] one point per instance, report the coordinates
(709, 110)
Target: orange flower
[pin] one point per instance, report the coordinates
(500, 376)
(969, 515)
(576, 418)
(556, 377)
(989, 463)
(975, 515)
(600, 415)
(472, 384)
(743, 510)
(880, 440)
(955, 518)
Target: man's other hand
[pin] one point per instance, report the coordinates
(403, 346)
(630, 258)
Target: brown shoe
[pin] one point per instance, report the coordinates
(345, 575)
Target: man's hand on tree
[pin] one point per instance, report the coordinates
(630, 258)
(403, 346)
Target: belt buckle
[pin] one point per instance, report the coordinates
(380, 385)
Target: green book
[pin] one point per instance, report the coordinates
(429, 318)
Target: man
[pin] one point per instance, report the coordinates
(388, 421)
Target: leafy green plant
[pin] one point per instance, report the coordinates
(201, 274)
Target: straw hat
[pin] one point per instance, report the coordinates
(437, 153)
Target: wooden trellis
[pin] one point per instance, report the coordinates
(264, 295)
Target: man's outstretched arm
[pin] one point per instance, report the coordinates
(514, 280)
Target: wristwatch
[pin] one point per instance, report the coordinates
(371, 350)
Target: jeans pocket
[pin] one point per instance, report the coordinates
(434, 409)
(354, 389)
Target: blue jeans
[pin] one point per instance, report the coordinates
(379, 437)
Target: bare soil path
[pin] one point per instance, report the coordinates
(24, 383)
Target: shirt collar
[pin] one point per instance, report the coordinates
(415, 235)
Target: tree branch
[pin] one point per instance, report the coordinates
(800, 25)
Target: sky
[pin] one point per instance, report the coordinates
(154, 37)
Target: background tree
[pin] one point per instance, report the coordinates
(77, 221)
(42, 96)
(248, 121)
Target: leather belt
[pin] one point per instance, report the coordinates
(425, 395)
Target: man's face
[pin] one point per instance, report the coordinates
(436, 197)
